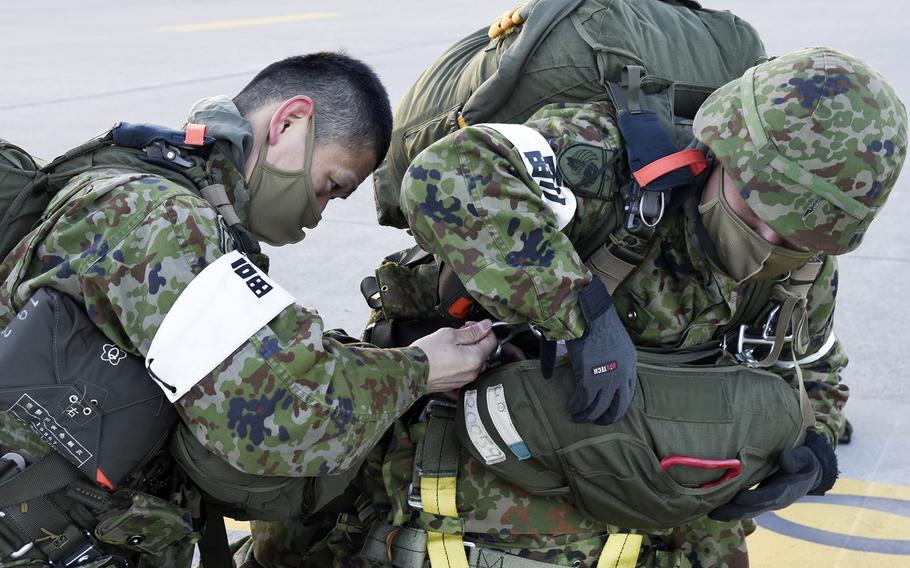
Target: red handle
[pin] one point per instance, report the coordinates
(734, 466)
(693, 158)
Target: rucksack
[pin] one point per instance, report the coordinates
(566, 51)
(23, 194)
(27, 187)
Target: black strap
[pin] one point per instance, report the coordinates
(214, 549)
(49, 474)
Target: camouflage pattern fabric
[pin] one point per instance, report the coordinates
(289, 402)
(814, 141)
(468, 201)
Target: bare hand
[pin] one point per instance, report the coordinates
(456, 356)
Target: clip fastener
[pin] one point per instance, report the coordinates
(745, 354)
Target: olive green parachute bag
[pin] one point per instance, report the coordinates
(565, 51)
(694, 436)
(23, 194)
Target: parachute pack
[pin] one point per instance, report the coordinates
(565, 51)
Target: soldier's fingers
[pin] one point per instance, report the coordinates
(479, 352)
(474, 333)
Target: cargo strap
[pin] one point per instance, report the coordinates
(42, 511)
(408, 547)
(620, 551)
(437, 468)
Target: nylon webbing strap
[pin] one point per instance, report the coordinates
(407, 548)
(50, 473)
(620, 551)
(438, 467)
(216, 195)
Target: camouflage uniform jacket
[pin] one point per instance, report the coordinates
(291, 401)
(469, 201)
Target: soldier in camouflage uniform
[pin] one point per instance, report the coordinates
(804, 151)
(294, 400)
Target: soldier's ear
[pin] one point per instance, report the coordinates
(288, 115)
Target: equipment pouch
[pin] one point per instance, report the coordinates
(693, 437)
(407, 291)
(145, 523)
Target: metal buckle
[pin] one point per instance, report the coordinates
(17, 459)
(433, 403)
(414, 500)
(745, 354)
(642, 206)
(87, 552)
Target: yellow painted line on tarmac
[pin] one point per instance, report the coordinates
(878, 529)
(248, 22)
(794, 546)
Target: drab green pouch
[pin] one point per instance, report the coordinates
(145, 523)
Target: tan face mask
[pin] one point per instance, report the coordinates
(745, 255)
(282, 201)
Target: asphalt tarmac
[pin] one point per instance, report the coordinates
(69, 70)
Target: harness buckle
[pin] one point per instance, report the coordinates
(747, 344)
(87, 552)
(17, 459)
(435, 403)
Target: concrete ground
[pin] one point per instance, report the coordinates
(69, 70)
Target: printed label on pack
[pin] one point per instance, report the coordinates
(486, 447)
(28, 411)
(540, 162)
(224, 305)
(502, 420)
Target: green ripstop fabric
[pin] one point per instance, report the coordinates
(566, 51)
(613, 473)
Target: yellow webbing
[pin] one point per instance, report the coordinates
(438, 497)
(620, 551)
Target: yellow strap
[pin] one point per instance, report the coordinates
(620, 551)
(438, 497)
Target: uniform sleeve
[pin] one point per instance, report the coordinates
(469, 199)
(291, 401)
(826, 356)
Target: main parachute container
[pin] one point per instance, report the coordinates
(566, 50)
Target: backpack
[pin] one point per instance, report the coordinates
(565, 51)
(23, 194)
(27, 188)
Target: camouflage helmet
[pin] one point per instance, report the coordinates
(814, 141)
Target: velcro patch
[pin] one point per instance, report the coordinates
(587, 168)
(223, 306)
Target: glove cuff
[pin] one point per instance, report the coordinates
(594, 300)
(824, 451)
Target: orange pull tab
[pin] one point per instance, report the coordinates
(195, 134)
(460, 307)
(102, 479)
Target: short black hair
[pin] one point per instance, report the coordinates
(352, 106)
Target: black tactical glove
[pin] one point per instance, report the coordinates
(810, 469)
(603, 359)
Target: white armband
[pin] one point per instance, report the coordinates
(540, 162)
(220, 309)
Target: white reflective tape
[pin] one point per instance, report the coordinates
(221, 308)
(502, 420)
(486, 447)
(540, 162)
(822, 352)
